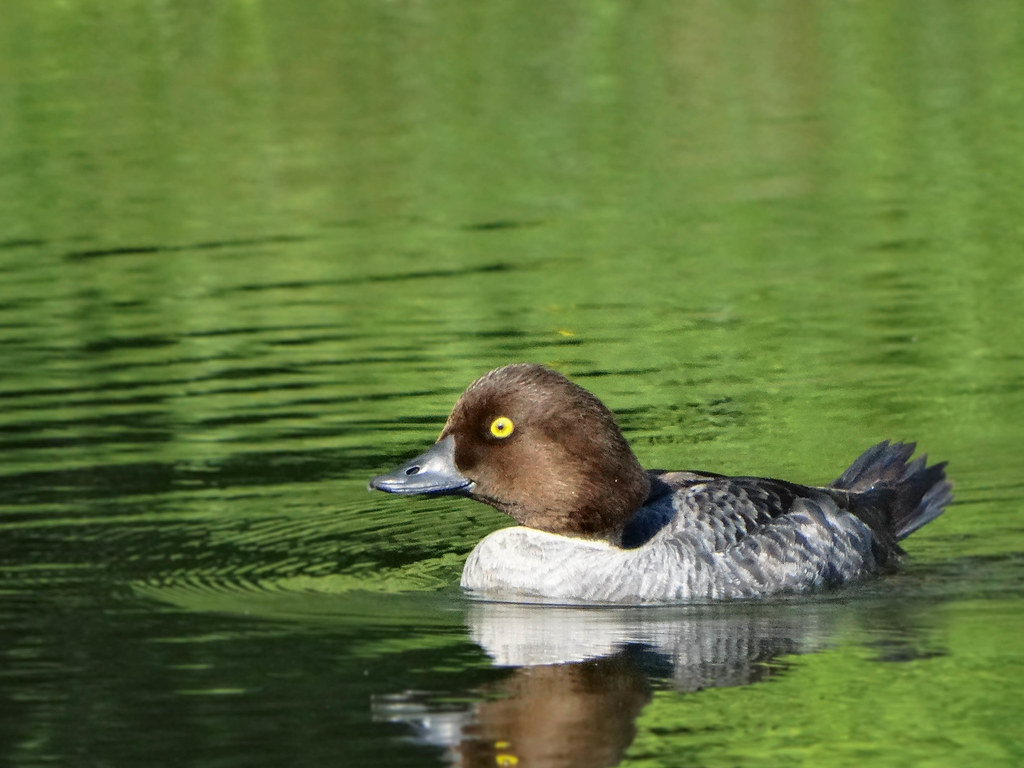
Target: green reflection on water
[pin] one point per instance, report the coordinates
(250, 254)
(845, 707)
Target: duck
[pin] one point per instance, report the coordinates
(594, 526)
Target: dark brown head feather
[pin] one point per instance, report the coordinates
(566, 467)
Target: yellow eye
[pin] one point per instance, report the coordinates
(502, 427)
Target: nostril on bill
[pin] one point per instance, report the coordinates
(412, 471)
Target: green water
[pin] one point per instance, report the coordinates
(251, 252)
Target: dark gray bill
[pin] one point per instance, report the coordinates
(430, 472)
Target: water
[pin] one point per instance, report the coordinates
(249, 257)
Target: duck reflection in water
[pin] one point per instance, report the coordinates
(581, 676)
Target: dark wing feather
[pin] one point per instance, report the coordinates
(725, 510)
(732, 508)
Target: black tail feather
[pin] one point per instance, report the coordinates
(921, 492)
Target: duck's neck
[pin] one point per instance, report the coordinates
(595, 506)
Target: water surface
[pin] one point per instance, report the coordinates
(250, 256)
